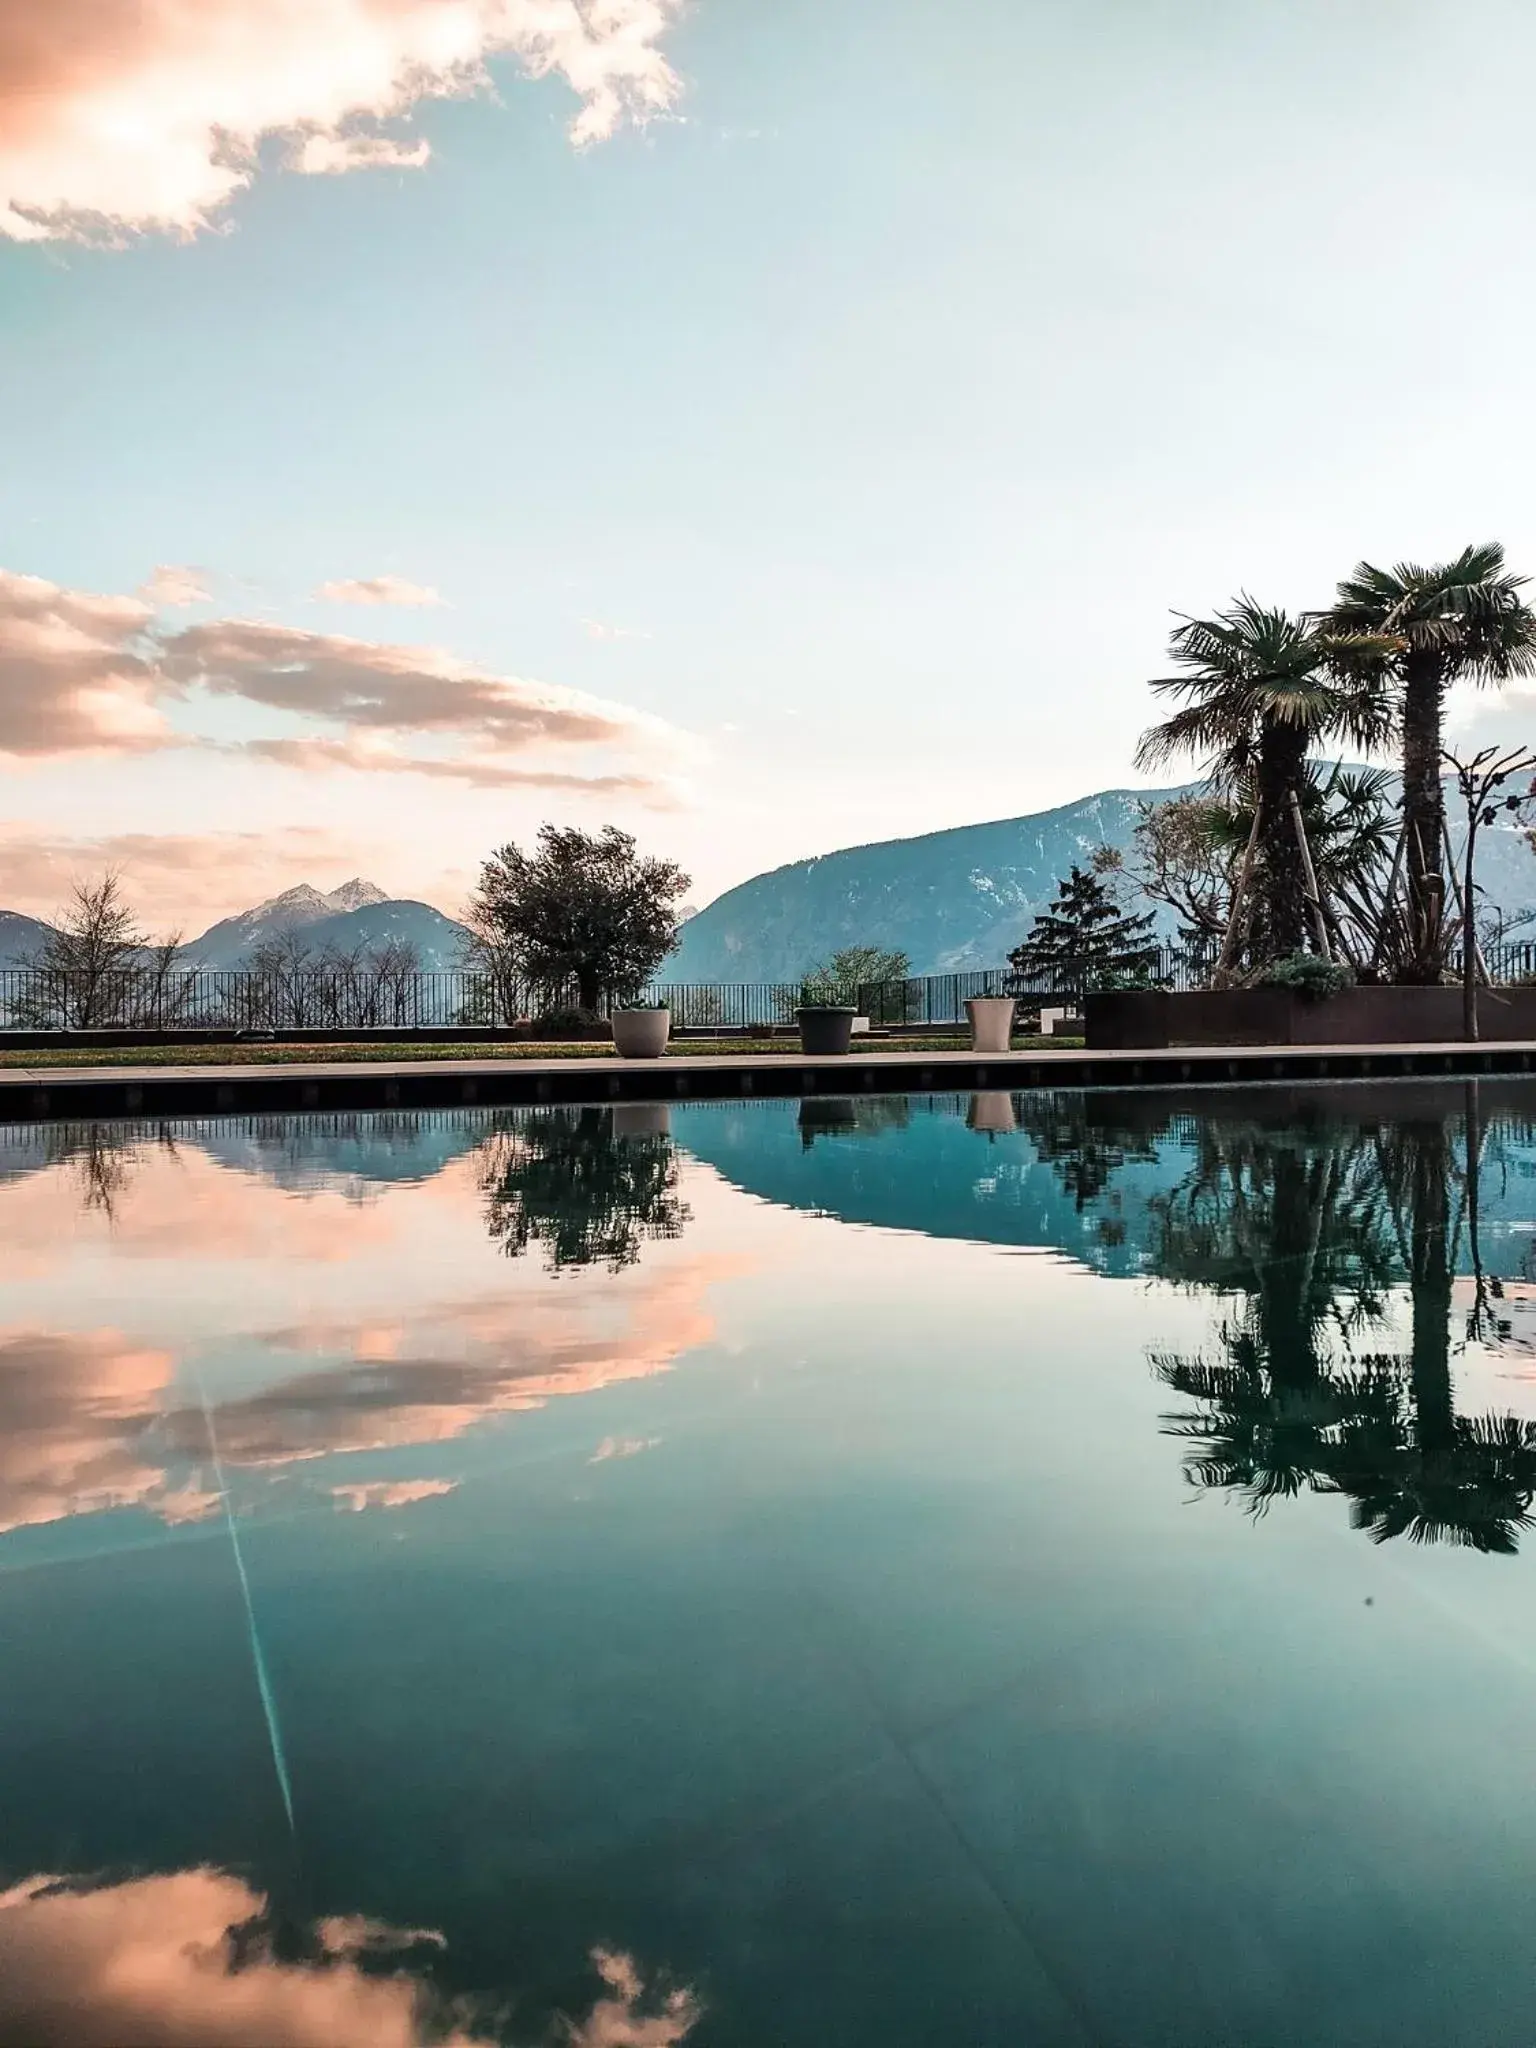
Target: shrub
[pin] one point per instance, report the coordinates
(1309, 974)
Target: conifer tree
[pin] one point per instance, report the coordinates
(1084, 941)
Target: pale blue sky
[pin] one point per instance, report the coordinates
(889, 398)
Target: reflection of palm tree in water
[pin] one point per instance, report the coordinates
(564, 1179)
(1275, 1417)
(1411, 1465)
(1292, 1225)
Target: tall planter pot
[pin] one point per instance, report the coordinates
(991, 1023)
(641, 1034)
(825, 1028)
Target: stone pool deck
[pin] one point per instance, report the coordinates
(32, 1094)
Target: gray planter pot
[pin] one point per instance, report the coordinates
(991, 1023)
(641, 1034)
(825, 1028)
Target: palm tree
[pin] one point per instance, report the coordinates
(1258, 688)
(1441, 624)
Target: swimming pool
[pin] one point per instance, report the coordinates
(984, 1569)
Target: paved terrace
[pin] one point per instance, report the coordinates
(30, 1094)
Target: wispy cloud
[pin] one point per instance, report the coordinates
(595, 629)
(123, 116)
(313, 755)
(175, 585)
(82, 672)
(377, 590)
(205, 875)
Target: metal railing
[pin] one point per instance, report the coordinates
(348, 999)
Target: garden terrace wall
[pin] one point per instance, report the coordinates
(1150, 1019)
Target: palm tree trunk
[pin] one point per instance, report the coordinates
(1281, 925)
(1423, 815)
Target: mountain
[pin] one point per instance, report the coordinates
(21, 938)
(964, 898)
(358, 914)
(949, 900)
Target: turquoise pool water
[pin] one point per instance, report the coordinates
(980, 1570)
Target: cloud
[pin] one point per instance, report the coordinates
(203, 876)
(377, 590)
(390, 1493)
(175, 585)
(125, 116)
(596, 630)
(77, 674)
(328, 155)
(312, 756)
(82, 672)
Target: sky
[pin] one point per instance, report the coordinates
(767, 425)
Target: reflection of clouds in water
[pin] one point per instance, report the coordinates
(74, 1412)
(622, 1447)
(513, 1355)
(390, 1493)
(90, 1421)
(189, 1961)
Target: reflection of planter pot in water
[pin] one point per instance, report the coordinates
(826, 1028)
(826, 1116)
(992, 1110)
(991, 1022)
(642, 1120)
(641, 1034)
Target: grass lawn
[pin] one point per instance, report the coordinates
(328, 1055)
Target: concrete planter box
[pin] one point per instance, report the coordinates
(991, 1022)
(641, 1034)
(825, 1028)
(1148, 1020)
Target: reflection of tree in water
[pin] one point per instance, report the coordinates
(1313, 1228)
(1086, 1139)
(564, 1179)
(845, 1116)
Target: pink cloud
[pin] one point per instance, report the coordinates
(76, 672)
(176, 585)
(377, 590)
(203, 876)
(315, 755)
(121, 116)
(82, 672)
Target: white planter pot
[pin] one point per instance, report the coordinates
(991, 1022)
(641, 1034)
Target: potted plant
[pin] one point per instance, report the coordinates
(991, 1022)
(641, 1030)
(825, 1026)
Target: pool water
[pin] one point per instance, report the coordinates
(985, 1570)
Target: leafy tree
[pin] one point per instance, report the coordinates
(562, 1178)
(1084, 941)
(856, 967)
(1257, 688)
(1435, 626)
(1184, 855)
(584, 908)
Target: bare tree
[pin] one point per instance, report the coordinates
(1478, 779)
(98, 968)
